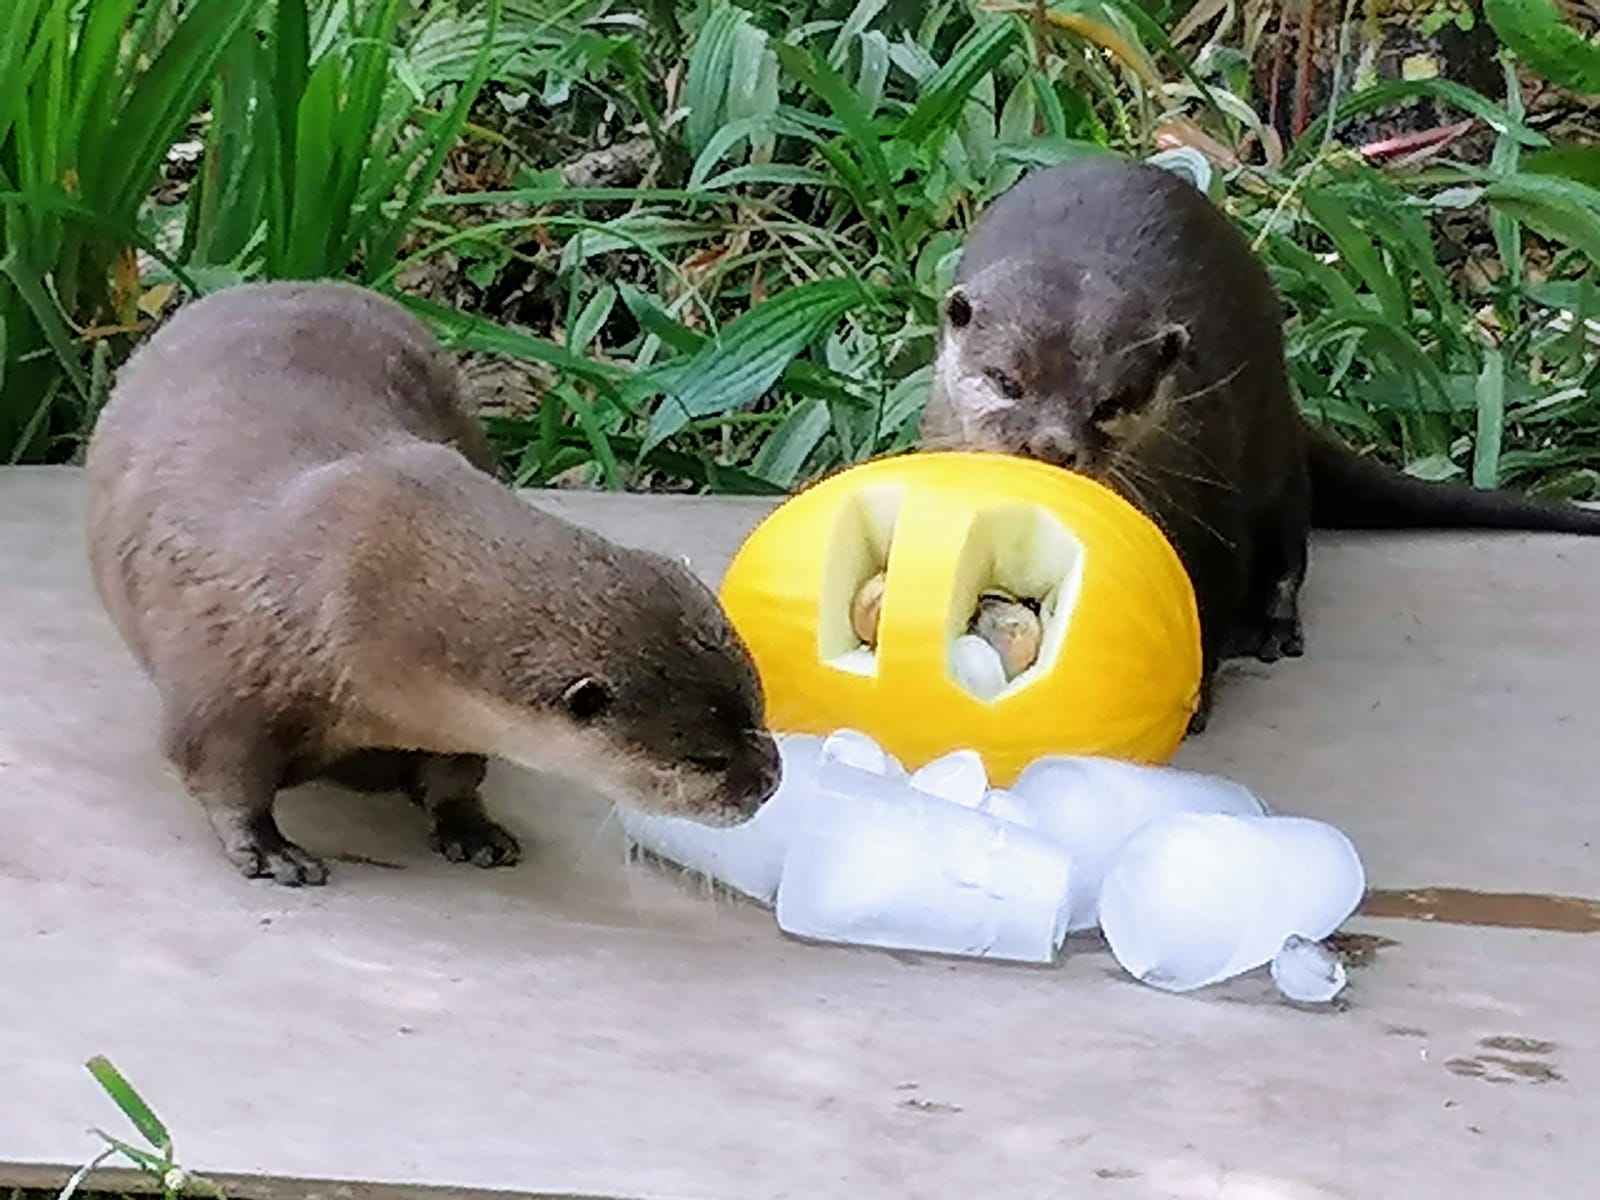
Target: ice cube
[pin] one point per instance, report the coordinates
(977, 666)
(862, 660)
(1194, 898)
(958, 777)
(747, 857)
(880, 864)
(856, 749)
(1092, 805)
(1008, 806)
(1307, 971)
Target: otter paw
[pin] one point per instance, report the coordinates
(1281, 639)
(286, 864)
(1201, 716)
(475, 839)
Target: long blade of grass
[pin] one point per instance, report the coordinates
(130, 1102)
(437, 140)
(1491, 397)
(1562, 209)
(783, 455)
(1358, 250)
(747, 357)
(710, 68)
(945, 94)
(1384, 95)
(31, 288)
(163, 97)
(469, 332)
(1538, 33)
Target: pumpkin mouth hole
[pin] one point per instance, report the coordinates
(1016, 583)
(857, 555)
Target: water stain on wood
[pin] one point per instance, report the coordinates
(1496, 1068)
(1517, 1045)
(1503, 910)
(1357, 949)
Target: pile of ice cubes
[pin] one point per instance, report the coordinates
(1188, 877)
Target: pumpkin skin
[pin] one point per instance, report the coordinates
(1119, 672)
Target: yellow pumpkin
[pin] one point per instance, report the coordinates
(1118, 673)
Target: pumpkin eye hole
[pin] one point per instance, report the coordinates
(1007, 385)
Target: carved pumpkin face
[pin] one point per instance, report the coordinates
(1118, 666)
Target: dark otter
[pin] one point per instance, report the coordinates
(1108, 318)
(293, 525)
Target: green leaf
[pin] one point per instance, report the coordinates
(1538, 33)
(1358, 250)
(783, 455)
(1577, 162)
(946, 92)
(1491, 396)
(1561, 209)
(594, 315)
(470, 332)
(747, 357)
(599, 444)
(718, 145)
(710, 68)
(1385, 94)
(846, 107)
(130, 1102)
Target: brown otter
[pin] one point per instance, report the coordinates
(1107, 317)
(294, 526)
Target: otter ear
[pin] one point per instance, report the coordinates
(1172, 347)
(957, 308)
(586, 699)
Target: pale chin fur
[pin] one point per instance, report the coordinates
(978, 396)
(551, 744)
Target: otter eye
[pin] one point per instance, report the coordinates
(710, 762)
(1114, 406)
(958, 309)
(1007, 384)
(586, 699)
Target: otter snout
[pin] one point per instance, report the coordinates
(1058, 447)
(752, 778)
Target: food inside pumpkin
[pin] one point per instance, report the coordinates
(1015, 584)
(1011, 625)
(1008, 624)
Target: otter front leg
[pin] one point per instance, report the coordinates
(447, 787)
(231, 768)
(1273, 618)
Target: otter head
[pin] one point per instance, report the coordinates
(656, 699)
(1067, 367)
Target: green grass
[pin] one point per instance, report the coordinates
(761, 307)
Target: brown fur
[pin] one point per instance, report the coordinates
(293, 525)
(1108, 318)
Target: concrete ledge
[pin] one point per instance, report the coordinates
(580, 1025)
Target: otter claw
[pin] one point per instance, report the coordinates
(286, 864)
(476, 840)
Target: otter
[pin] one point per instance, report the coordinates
(1108, 318)
(297, 530)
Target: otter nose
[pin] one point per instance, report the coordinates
(1055, 446)
(754, 776)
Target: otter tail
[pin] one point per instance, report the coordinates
(1352, 492)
